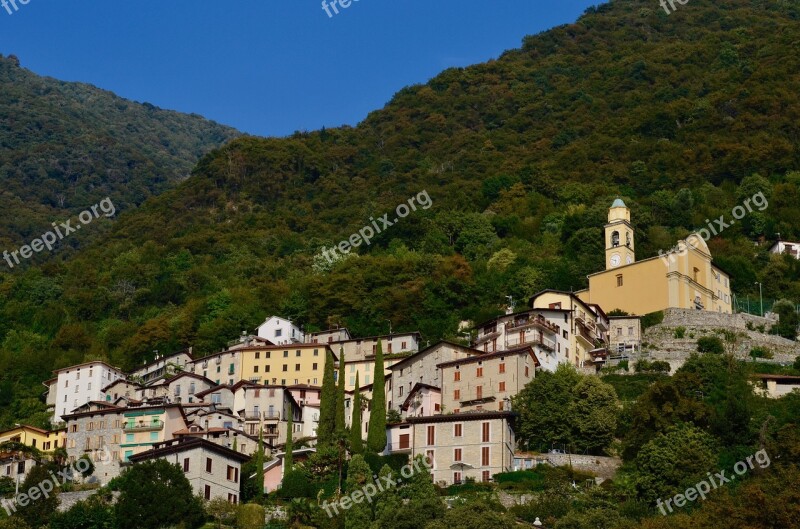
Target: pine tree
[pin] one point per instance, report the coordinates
(288, 462)
(327, 406)
(340, 418)
(376, 436)
(356, 443)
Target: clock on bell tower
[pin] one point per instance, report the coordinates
(619, 236)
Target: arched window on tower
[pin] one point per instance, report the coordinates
(615, 239)
(628, 237)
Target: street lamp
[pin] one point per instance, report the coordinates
(761, 297)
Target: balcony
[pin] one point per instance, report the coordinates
(143, 427)
(256, 415)
(541, 341)
(271, 434)
(526, 323)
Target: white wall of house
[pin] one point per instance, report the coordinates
(80, 384)
(280, 331)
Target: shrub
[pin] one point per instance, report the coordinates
(296, 484)
(680, 332)
(250, 516)
(710, 344)
(761, 352)
(654, 318)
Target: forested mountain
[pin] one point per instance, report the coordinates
(682, 115)
(66, 146)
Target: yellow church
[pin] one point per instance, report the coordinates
(683, 277)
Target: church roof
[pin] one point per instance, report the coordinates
(618, 203)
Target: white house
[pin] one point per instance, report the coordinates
(79, 384)
(791, 248)
(280, 331)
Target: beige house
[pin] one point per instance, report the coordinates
(776, 386)
(462, 446)
(583, 325)
(422, 368)
(213, 470)
(681, 277)
(486, 382)
(625, 335)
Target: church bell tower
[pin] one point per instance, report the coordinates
(619, 236)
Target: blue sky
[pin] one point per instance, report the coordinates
(268, 67)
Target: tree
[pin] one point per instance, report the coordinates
(340, 418)
(287, 458)
(788, 319)
(260, 465)
(221, 510)
(476, 514)
(327, 406)
(144, 482)
(250, 516)
(672, 461)
(566, 407)
(359, 475)
(710, 344)
(376, 435)
(356, 442)
(38, 511)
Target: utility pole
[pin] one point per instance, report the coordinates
(761, 297)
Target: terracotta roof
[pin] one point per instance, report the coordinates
(458, 417)
(467, 349)
(184, 444)
(490, 356)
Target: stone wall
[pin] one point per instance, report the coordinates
(660, 342)
(601, 466)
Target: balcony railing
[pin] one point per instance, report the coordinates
(546, 343)
(271, 434)
(143, 427)
(537, 321)
(255, 415)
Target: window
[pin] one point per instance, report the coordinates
(479, 392)
(457, 455)
(314, 367)
(403, 346)
(278, 332)
(266, 369)
(630, 331)
(457, 376)
(285, 367)
(431, 435)
(297, 367)
(502, 368)
(405, 441)
(457, 394)
(458, 430)
(479, 372)
(486, 476)
(429, 455)
(258, 355)
(400, 389)
(207, 493)
(255, 369)
(129, 438)
(502, 386)
(457, 477)
(231, 473)
(485, 430)
(286, 354)
(297, 353)
(208, 465)
(527, 369)
(485, 460)
(186, 465)
(316, 352)
(619, 280)
(566, 335)
(232, 498)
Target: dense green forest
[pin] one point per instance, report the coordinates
(66, 146)
(683, 116)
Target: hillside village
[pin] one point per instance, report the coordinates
(448, 402)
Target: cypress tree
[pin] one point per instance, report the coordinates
(376, 435)
(260, 465)
(288, 462)
(327, 405)
(356, 443)
(340, 419)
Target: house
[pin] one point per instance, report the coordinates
(280, 331)
(214, 471)
(231, 438)
(266, 409)
(79, 384)
(340, 334)
(583, 325)
(461, 446)
(163, 366)
(42, 440)
(420, 370)
(625, 335)
(120, 433)
(486, 382)
(363, 348)
(121, 388)
(177, 388)
(284, 365)
(546, 331)
(786, 247)
(275, 469)
(776, 386)
(683, 277)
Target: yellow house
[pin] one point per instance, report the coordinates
(285, 365)
(43, 440)
(682, 277)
